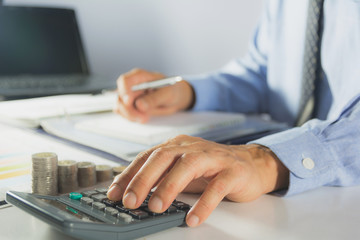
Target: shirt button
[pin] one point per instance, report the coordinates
(308, 163)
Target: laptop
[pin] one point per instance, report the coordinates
(41, 54)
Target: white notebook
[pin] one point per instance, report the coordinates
(159, 129)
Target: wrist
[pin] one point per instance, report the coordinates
(275, 174)
(187, 95)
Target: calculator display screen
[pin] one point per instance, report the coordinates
(74, 212)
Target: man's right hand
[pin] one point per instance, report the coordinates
(141, 105)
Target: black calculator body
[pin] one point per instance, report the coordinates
(90, 215)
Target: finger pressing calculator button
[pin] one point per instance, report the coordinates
(86, 200)
(138, 214)
(125, 217)
(99, 197)
(98, 205)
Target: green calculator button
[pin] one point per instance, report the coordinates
(75, 195)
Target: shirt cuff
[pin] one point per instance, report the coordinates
(310, 163)
(206, 93)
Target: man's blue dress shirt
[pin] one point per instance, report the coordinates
(324, 151)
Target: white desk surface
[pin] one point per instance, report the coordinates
(325, 213)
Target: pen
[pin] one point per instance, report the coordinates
(157, 83)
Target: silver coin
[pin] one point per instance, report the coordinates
(86, 174)
(44, 173)
(67, 176)
(104, 173)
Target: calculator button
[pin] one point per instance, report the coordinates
(75, 195)
(122, 209)
(89, 193)
(98, 205)
(138, 214)
(111, 203)
(171, 209)
(101, 190)
(125, 217)
(146, 209)
(111, 211)
(181, 206)
(86, 200)
(99, 197)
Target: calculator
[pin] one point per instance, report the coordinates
(91, 215)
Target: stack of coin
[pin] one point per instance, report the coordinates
(86, 174)
(67, 176)
(104, 173)
(44, 173)
(118, 169)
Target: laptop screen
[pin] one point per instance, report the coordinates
(40, 41)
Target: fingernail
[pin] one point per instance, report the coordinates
(129, 200)
(193, 220)
(156, 204)
(114, 193)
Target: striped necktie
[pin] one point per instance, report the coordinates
(311, 72)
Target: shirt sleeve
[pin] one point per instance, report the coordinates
(241, 85)
(320, 153)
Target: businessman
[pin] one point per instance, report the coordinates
(302, 68)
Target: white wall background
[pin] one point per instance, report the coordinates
(169, 36)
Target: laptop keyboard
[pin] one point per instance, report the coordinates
(60, 81)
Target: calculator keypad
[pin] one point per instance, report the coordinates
(97, 202)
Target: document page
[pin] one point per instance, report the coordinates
(117, 136)
(161, 128)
